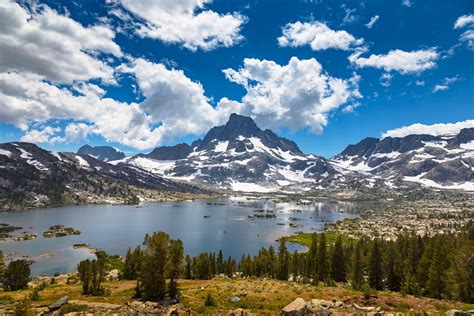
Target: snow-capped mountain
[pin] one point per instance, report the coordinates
(437, 161)
(30, 175)
(239, 156)
(104, 153)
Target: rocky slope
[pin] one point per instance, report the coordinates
(445, 161)
(31, 176)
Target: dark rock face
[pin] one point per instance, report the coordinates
(104, 153)
(465, 136)
(176, 152)
(362, 149)
(244, 127)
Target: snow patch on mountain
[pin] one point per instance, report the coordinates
(5, 152)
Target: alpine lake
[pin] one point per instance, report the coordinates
(237, 225)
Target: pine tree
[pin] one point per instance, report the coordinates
(271, 262)
(16, 275)
(2, 265)
(463, 270)
(338, 262)
(436, 284)
(322, 259)
(230, 267)
(392, 269)
(188, 271)
(175, 263)
(132, 264)
(152, 275)
(203, 266)
(213, 264)
(424, 267)
(357, 276)
(311, 265)
(295, 264)
(220, 262)
(375, 262)
(85, 275)
(283, 261)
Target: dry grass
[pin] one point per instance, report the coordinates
(264, 296)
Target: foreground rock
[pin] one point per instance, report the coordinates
(57, 305)
(324, 307)
(295, 308)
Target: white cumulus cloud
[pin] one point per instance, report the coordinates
(53, 46)
(295, 96)
(25, 100)
(399, 60)
(186, 22)
(435, 129)
(318, 35)
(77, 131)
(41, 136)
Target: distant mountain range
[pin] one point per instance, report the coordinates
(436, 161)
(240, 156)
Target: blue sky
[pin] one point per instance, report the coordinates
(118, 73)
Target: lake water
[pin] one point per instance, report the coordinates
(114, 228)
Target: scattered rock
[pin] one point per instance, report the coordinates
(337, 304)
(319, 307)
(454, 312)
(113, 275)
(363, 308)
(295, 308)
(57, 305)
(240, 312)
(235, 299)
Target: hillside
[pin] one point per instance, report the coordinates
(34, 177)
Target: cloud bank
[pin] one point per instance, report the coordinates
(435, 129)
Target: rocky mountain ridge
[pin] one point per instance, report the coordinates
(445, 161)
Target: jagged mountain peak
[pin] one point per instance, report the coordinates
(104, 153)
(363, 148)
(237, 125)
(238, 131)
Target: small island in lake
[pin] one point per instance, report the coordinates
(60, 231)
(6, 229)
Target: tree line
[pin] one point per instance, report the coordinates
(439, 266)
